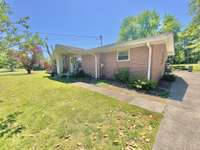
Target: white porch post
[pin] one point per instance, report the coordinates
(96, 66)
(149, 61)
(71, 67)
(59, 64)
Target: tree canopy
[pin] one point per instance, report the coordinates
(16, 40)
(148, 23)
(11, 32)
(194, 6)
(171, 24)
(191, 34)
(143, 25)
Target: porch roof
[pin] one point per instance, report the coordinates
(166, 38)
(66, 49)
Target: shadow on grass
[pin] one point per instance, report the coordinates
(9, 125)
(69, 79)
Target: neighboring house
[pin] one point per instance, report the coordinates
(144, 57)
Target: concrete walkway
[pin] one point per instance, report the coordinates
(180, 127)
(148, 102)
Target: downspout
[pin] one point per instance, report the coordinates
(149, 61)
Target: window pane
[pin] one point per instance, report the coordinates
(123, 55)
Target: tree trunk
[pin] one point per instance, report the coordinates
(29, 71)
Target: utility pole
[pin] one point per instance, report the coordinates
(101, 40)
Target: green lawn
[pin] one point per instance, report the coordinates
(39, 113)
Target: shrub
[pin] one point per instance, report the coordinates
(168, 68)
(164, 94)
(122, 76)
(80, 74)
(141, 84)
(169, 77)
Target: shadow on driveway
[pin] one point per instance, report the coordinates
(178, 89)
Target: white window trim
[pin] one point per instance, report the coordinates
(122, 51)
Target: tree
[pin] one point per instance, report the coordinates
(191, 34)
(51, 67)
(143, 25)
(8, 60)
(11, 32)
(11, 36)
(3, 59)
(15, 35)
(194, 6)
(30, 51)
(171, 24)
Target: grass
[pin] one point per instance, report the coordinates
(4, 70)
(39, 113)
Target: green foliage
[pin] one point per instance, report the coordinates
(31, 52)
(169, 77)
(16, 35)
(143, 25)
(164, 93)
(11, 33)
(191, 38)
(187, 41)
(147, 24)
(171, 24)
(122, 75)
(9, 126)
(141, 84)
(80, 74)
(8, 60)
(3, 59)
(194, 7)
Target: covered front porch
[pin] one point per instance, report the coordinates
(68, 59)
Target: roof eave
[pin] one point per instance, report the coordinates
(65, 49)
(167, 38)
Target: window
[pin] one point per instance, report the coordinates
(123, 55)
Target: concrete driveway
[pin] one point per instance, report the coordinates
(180, 127)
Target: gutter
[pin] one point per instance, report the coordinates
(149, 61)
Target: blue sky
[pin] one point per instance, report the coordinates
(90, 17)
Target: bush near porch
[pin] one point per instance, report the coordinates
(134, 82)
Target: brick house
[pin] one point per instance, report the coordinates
(144, 57)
